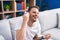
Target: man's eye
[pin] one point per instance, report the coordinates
(34, 12)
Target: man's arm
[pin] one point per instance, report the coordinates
(21, 33)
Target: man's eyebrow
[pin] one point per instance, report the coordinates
(34, 12)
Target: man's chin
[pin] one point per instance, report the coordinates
(34, 20)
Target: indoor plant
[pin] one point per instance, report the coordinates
(7, 7)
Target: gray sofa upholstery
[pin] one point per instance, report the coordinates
(49, 22)
(5, 30)
(47, 19)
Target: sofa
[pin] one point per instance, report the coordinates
(48, 20)
(49, 23)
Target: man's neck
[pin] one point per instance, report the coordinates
(30, 23)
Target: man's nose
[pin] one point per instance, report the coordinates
(36, 14)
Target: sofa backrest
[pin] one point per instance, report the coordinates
(15, 24)
(5, 30)
(48, 19)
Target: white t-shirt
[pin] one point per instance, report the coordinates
(32, 31)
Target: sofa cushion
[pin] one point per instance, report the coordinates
(15, 24)
(55, 33)
(48, 19)
(5, 29)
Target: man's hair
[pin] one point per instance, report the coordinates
(33, 7)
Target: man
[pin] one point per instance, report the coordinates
(30, 26)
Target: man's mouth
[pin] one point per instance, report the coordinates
(35, 17)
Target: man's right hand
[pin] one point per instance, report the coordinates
(21, 33)
(26, 17)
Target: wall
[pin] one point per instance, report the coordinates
(51, 4)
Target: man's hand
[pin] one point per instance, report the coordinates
(25, 17)
(36, 37)
(21, 33)
(47, 36)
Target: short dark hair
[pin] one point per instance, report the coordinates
(32, 7)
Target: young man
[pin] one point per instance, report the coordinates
(30, 26)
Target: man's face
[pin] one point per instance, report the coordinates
(33, 14)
